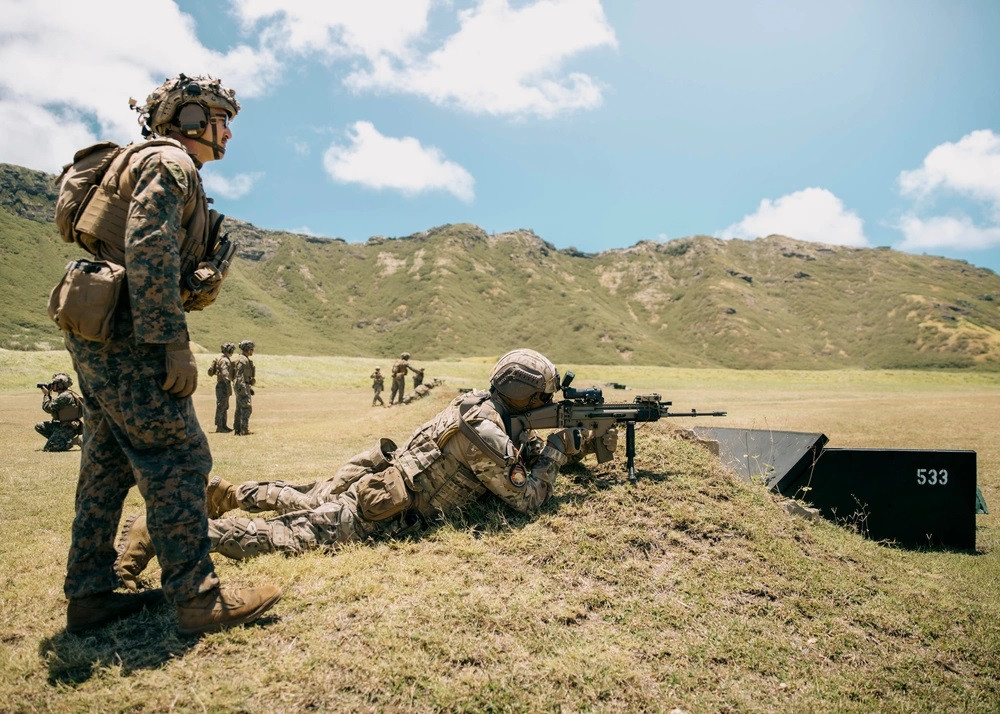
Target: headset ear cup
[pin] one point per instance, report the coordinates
(192, 119)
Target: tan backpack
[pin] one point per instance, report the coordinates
(84, 211)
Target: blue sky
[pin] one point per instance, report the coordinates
(595, 124)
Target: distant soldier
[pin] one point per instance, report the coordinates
(222, 370)
(66, 409)
(244, 377)
(399, 369)
(418, 377)
(378, 384)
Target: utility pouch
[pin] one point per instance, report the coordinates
(383, 495)
(83, 303)
(202, 287)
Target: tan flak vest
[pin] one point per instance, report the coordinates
(440, 481)
(101, 224)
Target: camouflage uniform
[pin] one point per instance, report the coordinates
(378, 384)
(441, 470)
(222, 370)
(134, 431)
(418, 377)
(244, 377)
(66, 407)
(398, 371)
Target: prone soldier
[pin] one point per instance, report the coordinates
(462, 454)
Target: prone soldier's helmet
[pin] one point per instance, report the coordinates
(405, 355)
(246, 345)
(61, 381)
(524, 378)
(184, 105)
(228, 348)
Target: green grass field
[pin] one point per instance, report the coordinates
(690, 590)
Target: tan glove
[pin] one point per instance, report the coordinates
(567, 441)
(610, 439)
(182, 370)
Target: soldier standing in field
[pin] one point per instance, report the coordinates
(244, 377)
(399, 369)
(378, 384)
(63, 431)
(222, 370)
(140, 426)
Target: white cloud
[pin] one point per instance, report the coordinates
(370, 29)
(382, 162)
(970, 167)
(920, 234)
(38, 138)
(504, 60)
(235, 187)
(813, 214)
(71, 62)
(966, 169)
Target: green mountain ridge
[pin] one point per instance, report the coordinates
(457, 291)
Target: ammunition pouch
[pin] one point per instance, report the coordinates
(202, 287)
(84, 301)
(383, 495)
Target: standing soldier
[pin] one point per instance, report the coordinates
(244, 377)
(378, 384)
(222, 370)
(399, 368)
(152, 217)
(66, 409)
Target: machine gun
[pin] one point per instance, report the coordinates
(585, 409)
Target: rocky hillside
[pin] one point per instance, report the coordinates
(455, 291)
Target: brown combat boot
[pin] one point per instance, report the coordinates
(135, 550)
(221, 607)
(86, 613)
(220, 497)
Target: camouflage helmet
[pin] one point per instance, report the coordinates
(246, 345)
(228, 347)
(405, 355)
(61, 379)
(521, 374)
(160, 112)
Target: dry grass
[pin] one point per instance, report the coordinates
(690, 589)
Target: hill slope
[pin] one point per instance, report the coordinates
(456, 290)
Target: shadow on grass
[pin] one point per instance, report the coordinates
(146, 640)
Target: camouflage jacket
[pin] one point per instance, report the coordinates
(448, 468)
(222, 369)
(244, 374)
(168, 208)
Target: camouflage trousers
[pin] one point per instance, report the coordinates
(398, 387)
(377, 399)
(59, 435)
(323, 514)
(244, 408)
(135, 433)
(223, 390)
